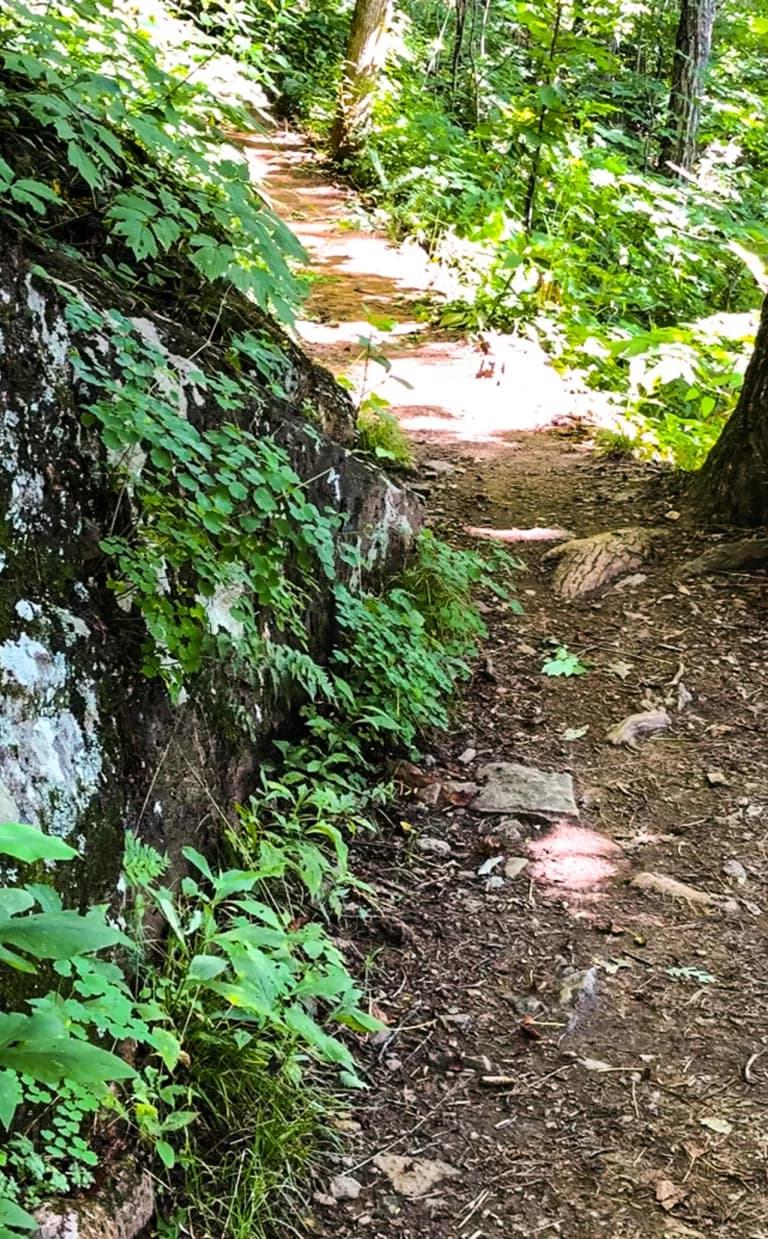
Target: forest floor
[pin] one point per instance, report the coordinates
(567, 1053)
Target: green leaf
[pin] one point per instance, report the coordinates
(10, 1096)
(64, 1058)
(204, 968)
(28, 843)
(13, 900)
(81, 160)
(166, 1154)
(12, 1214)
(59, 935)
(167, 1046)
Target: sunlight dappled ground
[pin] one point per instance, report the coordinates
(441, 385)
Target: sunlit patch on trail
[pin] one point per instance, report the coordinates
(536, 534)
(572, 858)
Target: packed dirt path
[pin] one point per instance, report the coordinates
(572, 1049)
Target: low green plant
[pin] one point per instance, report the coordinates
(52, 1074)
(251, 987)
(401, 653)
(231, 1018)
(136, 140)
(563, 662)
(380, 435)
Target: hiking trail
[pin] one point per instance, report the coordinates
(575, 1045)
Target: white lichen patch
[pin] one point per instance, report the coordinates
(72, 626)
(218, 610)
(393, 519)
(26, 610)
(173, 381)
(55, 338)
(333, 482)
(27, 499)
(50, 760)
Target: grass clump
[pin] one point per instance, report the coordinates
(380, 435)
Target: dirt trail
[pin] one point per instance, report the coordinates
(589, 1057)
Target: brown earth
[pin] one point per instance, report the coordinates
(590, 1057)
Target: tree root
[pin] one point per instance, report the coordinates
(586, 564)
(727, 557)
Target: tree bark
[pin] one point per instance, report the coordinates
(366, 52)
(693, 44)
(732, 485)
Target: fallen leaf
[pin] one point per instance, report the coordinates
(669, 1194)
(527, 1028)
(636, 725)
(410, 776)
(575, 733)
(596, 1064)
(620, 668)
(413, 1176)
(721, 1126)
(459, 794)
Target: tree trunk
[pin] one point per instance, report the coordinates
(733, 482)
(692, 47)
(366, 51)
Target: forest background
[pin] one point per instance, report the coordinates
(594, 174)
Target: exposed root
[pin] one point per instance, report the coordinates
(586, 564)
(728, 557)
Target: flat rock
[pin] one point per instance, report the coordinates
(516, 789)
(413, 1176)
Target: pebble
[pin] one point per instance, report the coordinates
(468, 756)
(734, 869)
(436, 847)
(514, 866)
(344, 1187)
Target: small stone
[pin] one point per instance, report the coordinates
(494, 882)
(438, 466)
(344, 1187)
(468, 756)
(734, 869)
(716, 778)
(435, 847)
(515, 866)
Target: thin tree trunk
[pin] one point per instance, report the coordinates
(732, 485)
(533, 176)
(366, 52)
(692, 47)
